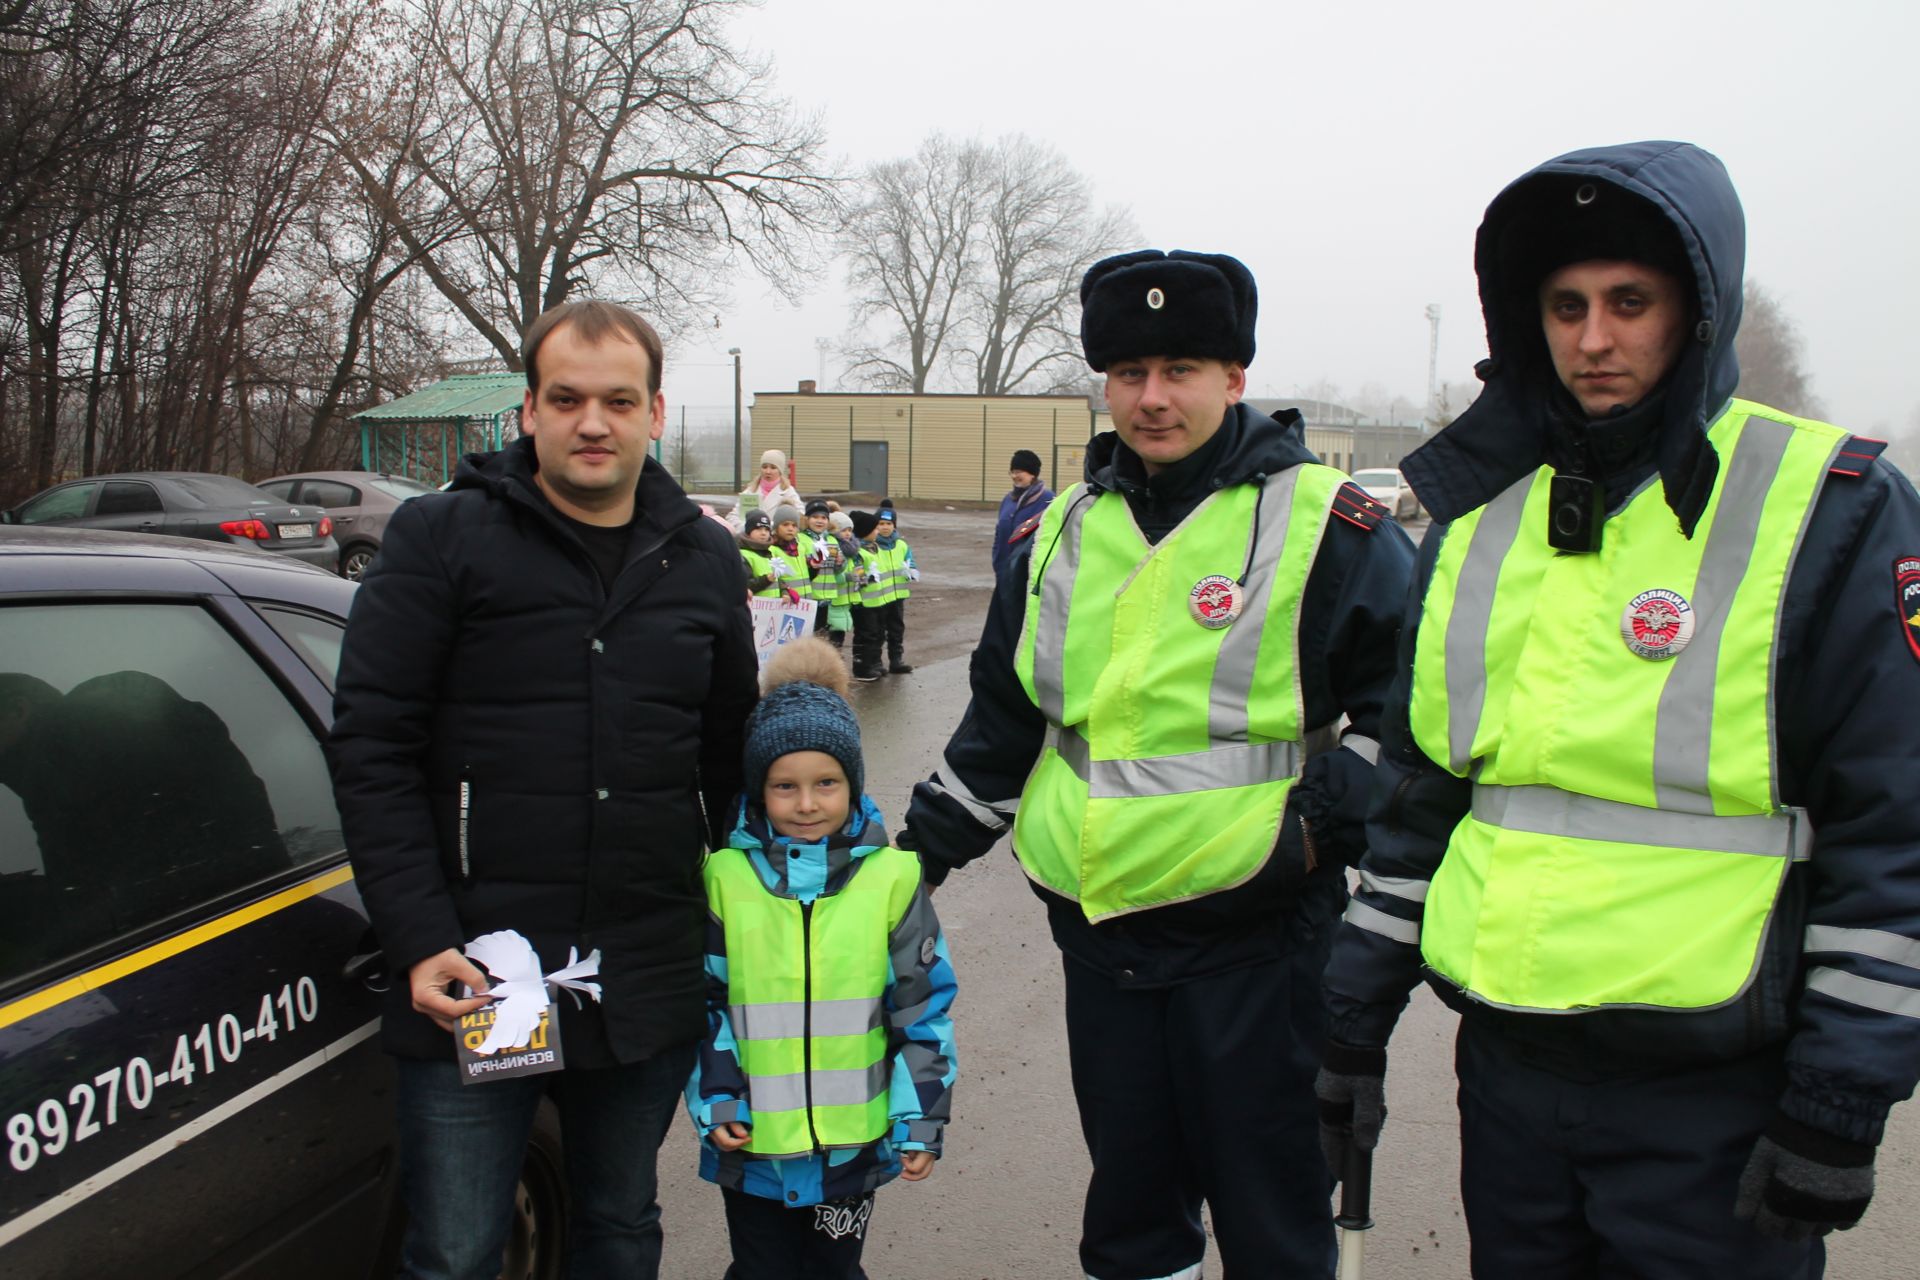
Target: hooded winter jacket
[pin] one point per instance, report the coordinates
(516, 747)
(1354, 595)
(1838, 986)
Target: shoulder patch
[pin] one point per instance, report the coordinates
(1906, 600)
(1351, 503)
(1855, 456)
(1025, 530)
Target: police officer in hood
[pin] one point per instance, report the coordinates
(1644, 808)
(1161, 686)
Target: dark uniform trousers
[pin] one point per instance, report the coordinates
(1197, 1092)
(867, 636)
(1628, 1177)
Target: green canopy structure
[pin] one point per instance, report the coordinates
(423, 435)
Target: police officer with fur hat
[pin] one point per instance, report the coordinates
(1644, 812)
(1178, 683)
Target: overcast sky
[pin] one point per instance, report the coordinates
(1346, 152)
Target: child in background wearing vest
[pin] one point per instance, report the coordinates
(755, 534)
(869, 631)
(822, 949)
(896, 560)
(828, 566)
(789, 561)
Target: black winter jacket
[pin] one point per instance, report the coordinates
(1349, 618)
(1847, 686)
(516, 747)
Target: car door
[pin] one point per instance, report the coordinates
(189, 1080)
(132, 506)
(341, 501)
(63, 504)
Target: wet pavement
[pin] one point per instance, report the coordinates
(1004, 1203)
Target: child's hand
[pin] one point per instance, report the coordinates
(915, 1165)
(733, 1135)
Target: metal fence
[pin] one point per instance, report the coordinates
(697, 447)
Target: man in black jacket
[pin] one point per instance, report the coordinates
(537, 727)
(1161, 685)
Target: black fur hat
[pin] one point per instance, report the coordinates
(1149, 303)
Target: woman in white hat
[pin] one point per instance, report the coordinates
(767, 491)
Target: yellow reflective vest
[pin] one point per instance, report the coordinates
(805, 989)
(1627, 843)
(1169, 678)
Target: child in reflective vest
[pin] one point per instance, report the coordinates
(828, 1064)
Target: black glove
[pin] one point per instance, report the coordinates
(1352, 1089)
(1801, 1183)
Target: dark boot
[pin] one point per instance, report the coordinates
(899, 668)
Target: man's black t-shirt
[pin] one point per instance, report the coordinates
(606, 545)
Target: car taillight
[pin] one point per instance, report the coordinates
(326, 525)
(254, 529)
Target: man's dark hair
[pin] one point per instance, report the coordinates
(594, 322)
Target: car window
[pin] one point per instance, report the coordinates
(330, 493)
(398, 487)
(220, 491)
(281, 489)
(66, 503)
(127, 498)
(147, 765)
(316, 639)
(1381, 478)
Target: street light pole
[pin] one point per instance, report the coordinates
(735, 353)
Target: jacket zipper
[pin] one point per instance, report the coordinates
(466, 808)
(806, 1014)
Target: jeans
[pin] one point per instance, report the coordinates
(461, 1147)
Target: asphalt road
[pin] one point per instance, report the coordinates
(1004, 1203)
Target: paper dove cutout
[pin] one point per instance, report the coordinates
(519, 991)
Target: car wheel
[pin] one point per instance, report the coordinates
(537, 1242)
(355, 559)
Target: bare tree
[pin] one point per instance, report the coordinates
(622, 145)
(1039, 232)
(968, 258)
(1770, 350)
(909, 242)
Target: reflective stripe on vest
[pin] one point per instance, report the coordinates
(805, 992)
(1172, 745)
(1626, 843)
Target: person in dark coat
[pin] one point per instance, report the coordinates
(1028, 498)
(1689, 972)
(538, 727)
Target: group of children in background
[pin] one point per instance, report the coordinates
(828, 1064)
(854, 566)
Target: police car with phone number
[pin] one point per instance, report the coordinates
(190, 1081)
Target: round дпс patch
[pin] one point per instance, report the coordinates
(1906, 599)
(1216, 600)
(1657, 624)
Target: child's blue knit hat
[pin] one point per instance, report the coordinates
(804, 709)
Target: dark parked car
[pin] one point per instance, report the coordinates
(360, 503)
(189, 1075)
(189, 504)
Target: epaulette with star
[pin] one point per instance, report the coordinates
(1351, 503)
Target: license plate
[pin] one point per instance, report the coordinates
(296, 531)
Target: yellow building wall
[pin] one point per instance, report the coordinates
(938, 446)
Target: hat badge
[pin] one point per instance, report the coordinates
(1216, 601)
(1155, 299)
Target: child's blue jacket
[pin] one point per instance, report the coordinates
(920, 990)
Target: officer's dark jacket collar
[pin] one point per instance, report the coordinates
(1524, 417)
(1247, 446)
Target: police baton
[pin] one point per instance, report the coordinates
(1355, 1220)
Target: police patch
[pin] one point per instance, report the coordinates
(1657, 624)
(1906, 600)
(1215, 601)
